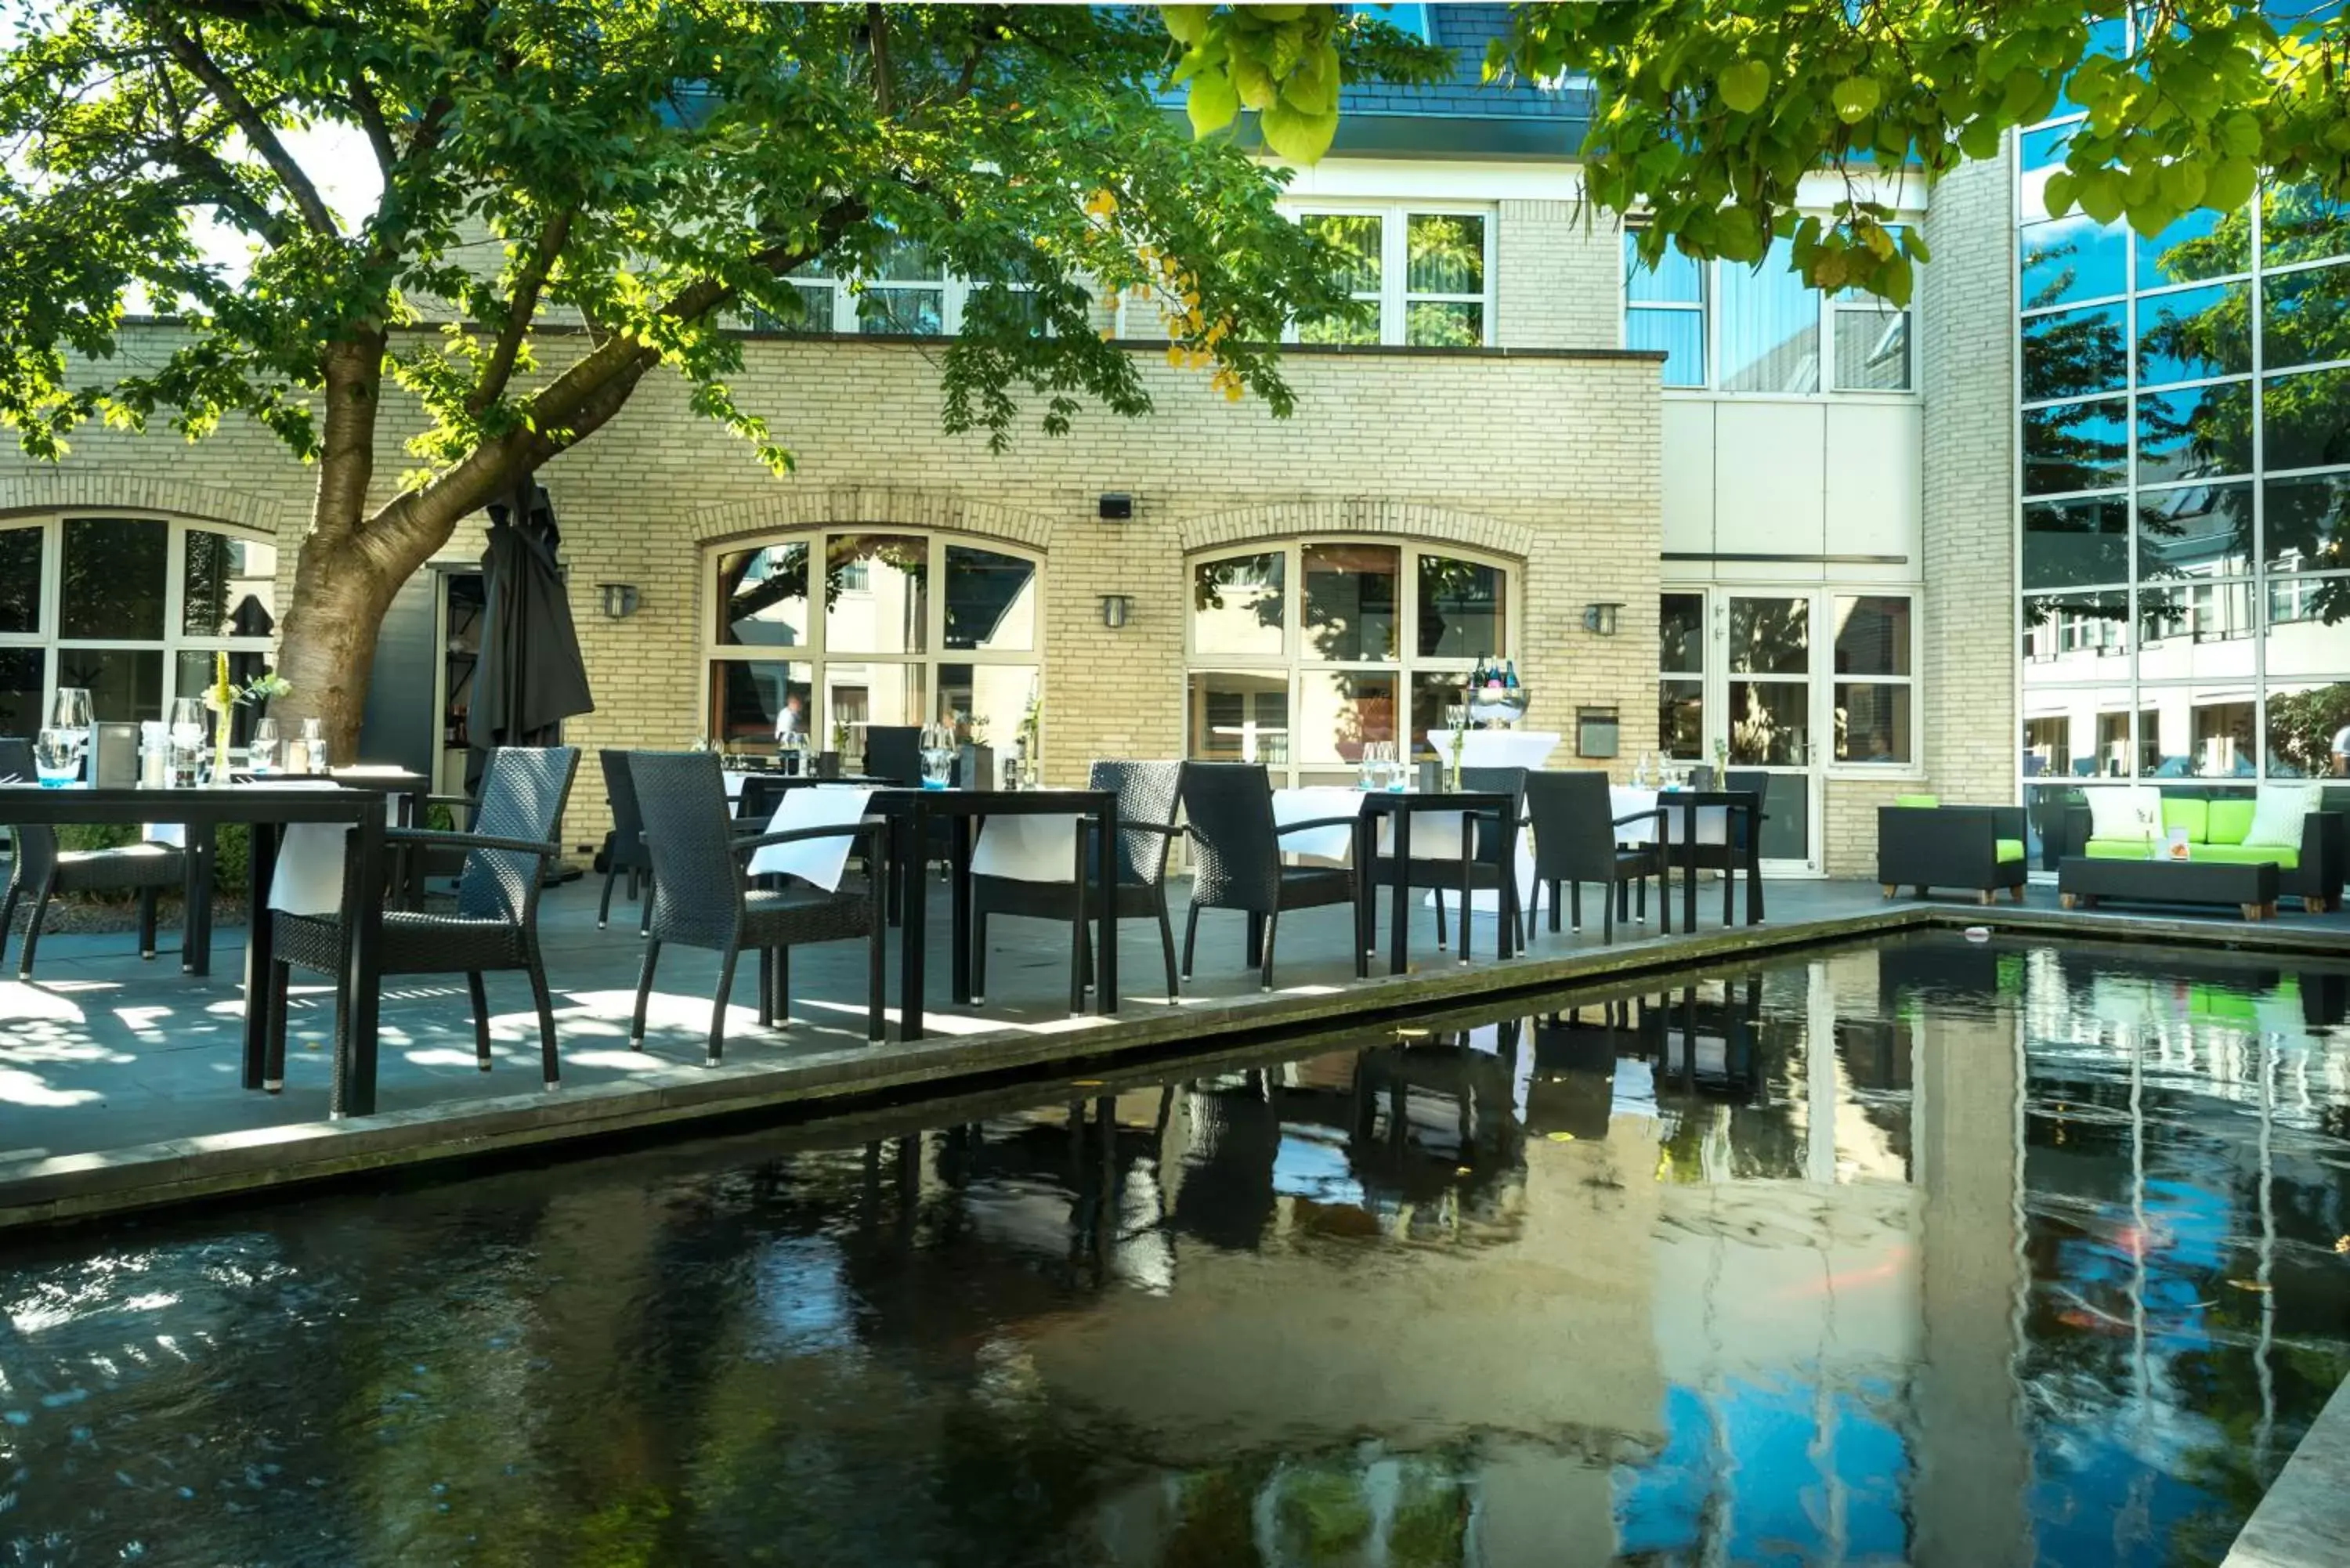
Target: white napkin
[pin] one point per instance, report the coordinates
(818, 860)
(733, 784)
(1623, 800)
(1305, 805)
(1027, 849)
(308, 877)
(170, 835)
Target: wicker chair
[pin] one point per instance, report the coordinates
(1484, 849)
(1575, 842)
(1145, 820)
(1236, 861)
(38, 867)
(624, 847)
(495, 926)
(702, 897)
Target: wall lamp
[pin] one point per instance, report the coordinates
(1114, 609)
(1599, 619)
(619, 600)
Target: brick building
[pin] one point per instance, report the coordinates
(1739, 518)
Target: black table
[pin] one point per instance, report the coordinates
(1689, 803)
(911, 811)
(2251, 886)
(264, 809)
(762, 793)
(1401, 809)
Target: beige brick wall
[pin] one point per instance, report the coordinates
(1559, 278)
(1549, 458)
(1967, 347)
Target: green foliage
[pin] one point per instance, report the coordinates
(1710, 116)
(1286, 63)
(647, 168)
(2303, 724)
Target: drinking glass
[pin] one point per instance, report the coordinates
(56, 757)
(188, 723)
(70, 713)
(261, 751)
(1370, 766)
(314, 744)
(938, 756)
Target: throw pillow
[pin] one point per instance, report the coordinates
(2231, 820)
(1919, 801)
(2277, 810)
(2128, 812)
(2191, 815)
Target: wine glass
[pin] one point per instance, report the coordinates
(313, 744)
(70, 713)
(56, 759)
(261, 751)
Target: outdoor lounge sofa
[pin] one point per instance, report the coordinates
(1923, 843)
(2310, 848)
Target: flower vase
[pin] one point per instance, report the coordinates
(220, 751)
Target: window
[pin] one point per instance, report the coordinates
(1301, 652)
(1412, 19)
(857, 626)
(1760, 329)
(909, 292)
(134, 608)
(1680, 676)
(1873, 675)
(1423, 277)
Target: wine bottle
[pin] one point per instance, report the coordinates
(1510, 674)
(1477, 676)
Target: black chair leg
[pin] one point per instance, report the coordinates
(1255, 939)
(481, 1019)
(877, 980)
(782, 1004)
(644, 990)
(1191, 937)
(645, 911)
(604, 904)
(1439, 923)
(7, 917)
(1555, 891)
(718, 1008)
(1080, 971)
(146, 923)
(1272, 928)
(550, 1065)
(978, 957)
(1641, 883)
(1608, 898)
(1167, 950)
(32, 933)
(767, 987)
(275, 988)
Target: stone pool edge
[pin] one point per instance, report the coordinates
(57, 1190)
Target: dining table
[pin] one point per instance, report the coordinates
(1708, 818)
(1394, 811)
(267, 809)
(912, 812)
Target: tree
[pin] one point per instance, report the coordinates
(652, 169)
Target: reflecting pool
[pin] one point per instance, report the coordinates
(1926, 1253)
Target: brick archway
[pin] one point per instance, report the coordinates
(892, 506)
(60, 489)
(1360, 515)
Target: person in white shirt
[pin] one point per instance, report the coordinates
(2341, 752)
(790, 720)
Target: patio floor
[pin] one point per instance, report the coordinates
(118, 1080)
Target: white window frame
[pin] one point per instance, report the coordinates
(1290, 662)
(174, 642)
(1832, 311)
(816, 651)
(1395, 297)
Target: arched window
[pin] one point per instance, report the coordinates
(1299, 653)
(853, 626)
(132, 608)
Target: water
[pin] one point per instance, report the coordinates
(1929, 1254)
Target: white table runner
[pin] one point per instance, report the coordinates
(1623, 800)
(1027, 849)
(818, 860)
(1308, 804)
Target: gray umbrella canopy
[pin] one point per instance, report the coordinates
(531, 676)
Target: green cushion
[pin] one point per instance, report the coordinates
(2190, 815)
(1926, 801)
(2009, 849)
(2115, 849)
(2228, 821)
(2286, 855)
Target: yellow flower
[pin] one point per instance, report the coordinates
(1175, 355)
(1102, 203)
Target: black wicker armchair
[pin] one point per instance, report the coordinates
(702, 897)
(495, 924)
(624, 847)
(1147, 798)
(38, 868)
(1236, 862)
(1575, 842)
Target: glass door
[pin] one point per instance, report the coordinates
(1736, 692)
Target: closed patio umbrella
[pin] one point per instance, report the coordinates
(531, 676)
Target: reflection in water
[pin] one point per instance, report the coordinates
(1929, 1254)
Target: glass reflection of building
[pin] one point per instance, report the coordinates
(2184, 541)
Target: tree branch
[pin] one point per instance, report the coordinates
(249, 120)
(876, 34)
(369, 109)
(521, 309)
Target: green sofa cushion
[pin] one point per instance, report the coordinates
(1927, 802)
(2191, 815)
(2286, 855)
(2229, 821)
(2010, 849)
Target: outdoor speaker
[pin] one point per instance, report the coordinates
(1117, 507)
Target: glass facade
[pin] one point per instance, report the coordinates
(2184, 505)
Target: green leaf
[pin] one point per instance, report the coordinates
(2182, 184)
(2230, 184)
(1255, 82)
(1300, 138)
(1212, 102)
(2058, 194)
(1857, 98)
(1745, 84)
(2099, 193)
(1187, 24)
(2239, 134)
